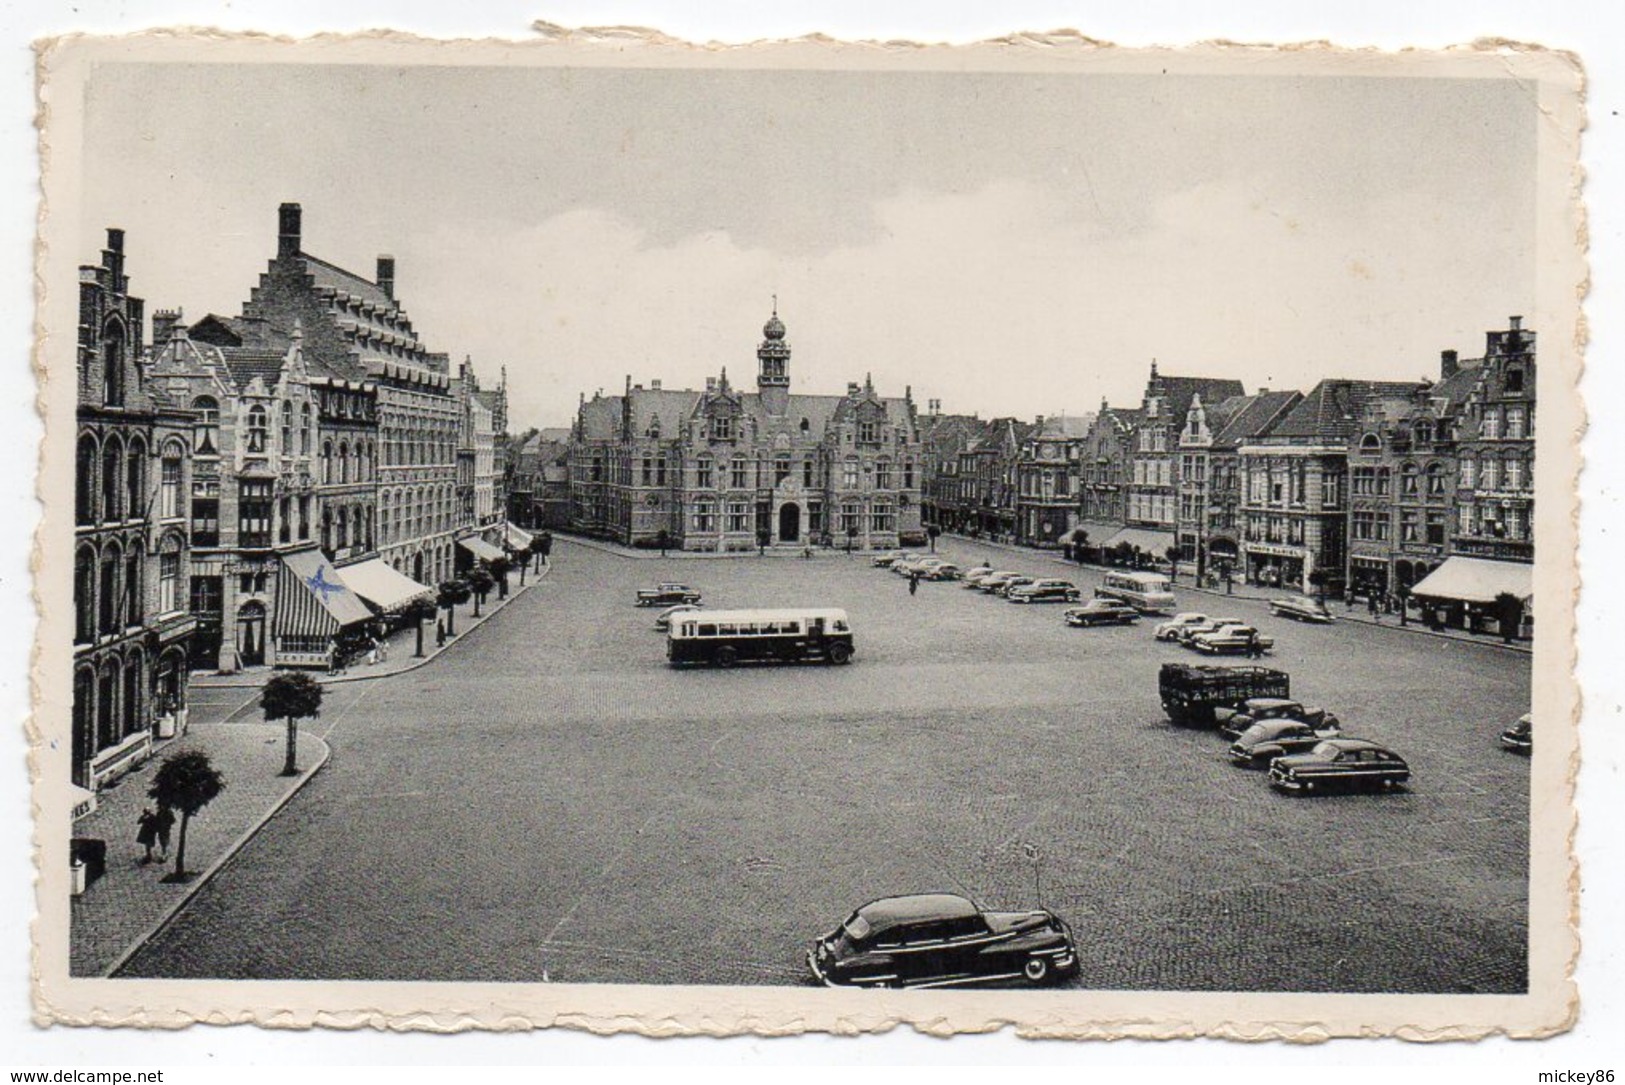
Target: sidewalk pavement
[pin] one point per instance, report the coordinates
(127, 905)
(122, 910)
(783, 550)
(402, 643)
(1240, 590)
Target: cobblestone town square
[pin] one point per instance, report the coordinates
(549, 800)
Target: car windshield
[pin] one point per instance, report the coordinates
(1328, 751)
(855, 929)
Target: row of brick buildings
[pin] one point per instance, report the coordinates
(261, 488)
(1369, 488)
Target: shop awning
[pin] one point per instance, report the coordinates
(1477, 580)
(1156, 543)
(1097, 530)
(382, 588)
(81, 801)
(517, 538)
(312, 599)
(480, 548)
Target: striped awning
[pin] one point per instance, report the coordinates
(312, 599)
(517, 538)
(480, 548)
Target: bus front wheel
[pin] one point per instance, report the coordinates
(727, 657)
(840, 653)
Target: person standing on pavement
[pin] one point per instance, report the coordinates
(440, 633)
(913, 583)
(162, 822)
(1255, 647)
(146, 832)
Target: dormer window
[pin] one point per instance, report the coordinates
(722, 428)
(868, 433)
(1515, 380)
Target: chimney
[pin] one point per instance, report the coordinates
(1038, 421)
(164, 323)
(1448, 364)
(1516, 323)
(287, 242)
(1263, 390)
(386, 275)
(851, 388)
(654, 386)
(710, 384)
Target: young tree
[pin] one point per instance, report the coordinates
(291, 696)
(452, 594)
(418, 613)
(1508, 610)
(480, 581)
(187, 782)
(500, 568)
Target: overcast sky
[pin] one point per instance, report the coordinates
(1009, 244)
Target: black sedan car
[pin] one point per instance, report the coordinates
(666, 595)
(1520, 737)
(941, 940)
(1257, 709)
(1302, 607)
(1101, 612)
(1266, 740)
(1339, 763)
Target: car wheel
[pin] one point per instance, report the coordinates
(727, 657)
(1036, 970)
(840, 653)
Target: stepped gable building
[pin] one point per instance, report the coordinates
(728, 470)
(1048, 478)
(133, 464)
(257, 467)
(1294, 483)
(1402, 481)
(988, 471)
(1153, 484)
(1209, 474)
(1103, 469)
(379, 386)
(482, 510)
(942, 438)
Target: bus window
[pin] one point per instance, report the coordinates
(841, 627)
(727, 629)
(708, 630)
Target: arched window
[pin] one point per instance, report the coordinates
(1370, 443)
(344, 463)
(107, 688)
(113, 364)
(169, 575)
(133, 610)
(84, 595)
(112, 481)
(327, 461)
(1408, 480)
(805, 425)
(304, 429)
(135, 480)
(1436, 480)
(257, 423)
(108, 590)
(135, 701)
(85, 481)
(343, 539)
(287, 429)
(1514, 380)
(169, 480)
(208, 425)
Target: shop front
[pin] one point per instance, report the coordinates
(473, 550)
(1275, 566)
(388, 594)
(1478, 595)
(1368, 576)
(318, 618)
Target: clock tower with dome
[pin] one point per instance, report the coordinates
(773, 374)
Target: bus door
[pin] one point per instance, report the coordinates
(815, 634)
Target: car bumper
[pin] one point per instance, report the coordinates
(817, 971)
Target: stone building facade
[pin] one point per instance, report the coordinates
(726, 469)
(1495, 485)
(1048, 480)
(133, 474)
(1153, 480)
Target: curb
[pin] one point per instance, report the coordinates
(338, 679)
(674, 554)
(219, 863)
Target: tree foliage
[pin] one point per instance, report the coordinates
(291, 695)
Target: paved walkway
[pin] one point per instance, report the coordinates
(1239, 590)
(402, 645)
(131, 901)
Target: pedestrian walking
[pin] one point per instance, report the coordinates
(1255, 647)
(162, 822)
(440, 633)
(372, 651)
(1372, 607)
(146, 832)
(913, 583)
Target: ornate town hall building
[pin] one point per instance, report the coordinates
(726, 469)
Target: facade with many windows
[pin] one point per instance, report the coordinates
(133, 477)
(1495, 482)
(1153, 504)
(1048, 477)
(726, 469)
(1209, 518)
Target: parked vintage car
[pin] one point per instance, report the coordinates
(663, 619)
(1304, 608)
(1257, 709)
(921, 566)
(1004, 588)
(1184, 633)
(885, 561)
(1232, 638)
(1170, 629)
(977, 581)
(1266, 740)
(941, 940)
(993, 582)
(1044, 591)
(1347, 763)
(975, 571)
(1520, 737)
(665, 595)
(1101, 612)
(942, 570)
